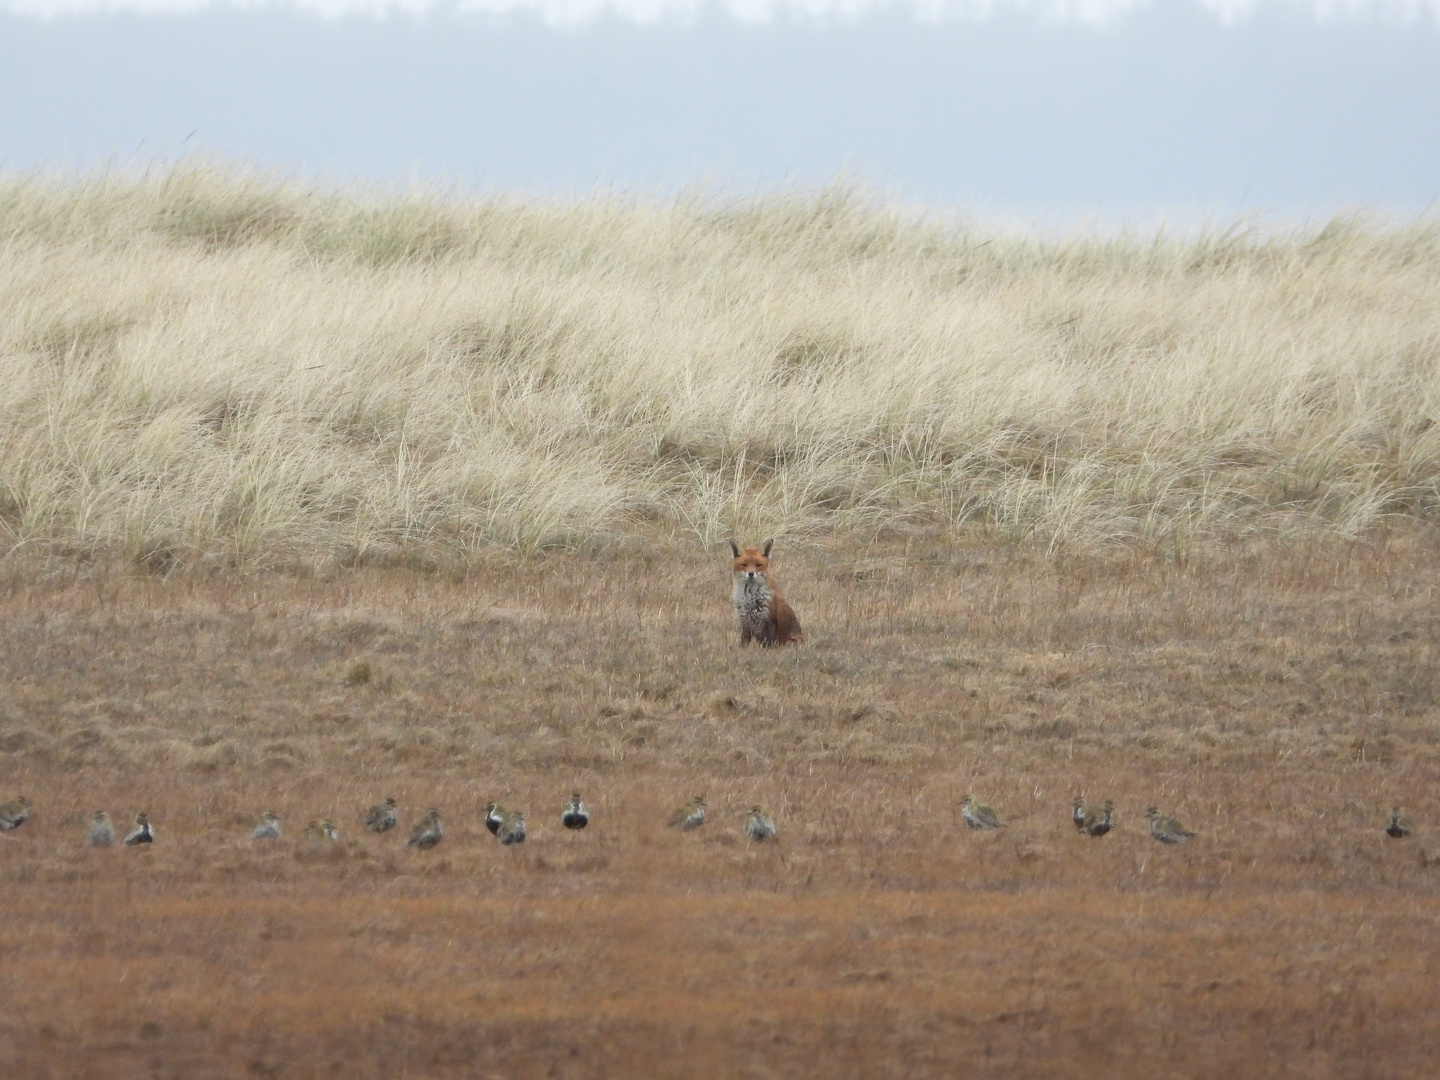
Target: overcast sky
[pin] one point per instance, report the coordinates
(1053, 113)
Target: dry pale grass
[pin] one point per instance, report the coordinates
(204, 367)
(1277, 699)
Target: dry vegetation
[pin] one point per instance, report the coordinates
(1276, 699)
(200, 366)
(309, 496)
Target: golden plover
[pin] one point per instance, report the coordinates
(102, 832)
(383, 816)
(322, 832)
(576, 815)
(1101, 821)
(1166, 829)
(977, 815)
(494, 817)
(512, 828)
(1078, 810)
(1399, 825)
(268, 827)
(690, 816)
(759, 824)
(14, 813)
(142, 833)
(428, 831)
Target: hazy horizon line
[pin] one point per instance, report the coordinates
(576, 13)
(1176, 219)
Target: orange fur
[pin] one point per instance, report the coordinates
(763, 613)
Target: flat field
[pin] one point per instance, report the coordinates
(1276, 698)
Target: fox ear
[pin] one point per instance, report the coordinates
(768, 545)
(735, 548)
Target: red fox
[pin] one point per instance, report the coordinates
(764, 615)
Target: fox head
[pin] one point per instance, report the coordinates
(752, 563)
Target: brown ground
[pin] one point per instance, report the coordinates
(1276, 699)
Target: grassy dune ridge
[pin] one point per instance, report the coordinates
(203, 366)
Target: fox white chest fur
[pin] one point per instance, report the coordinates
(752, 595)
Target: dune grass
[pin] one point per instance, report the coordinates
(204, 366)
